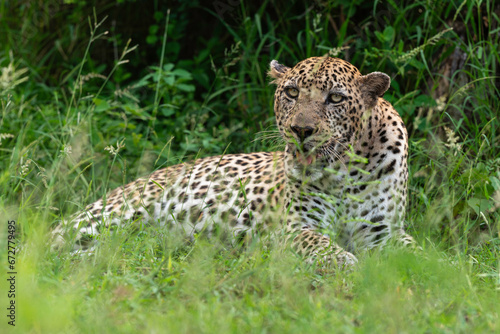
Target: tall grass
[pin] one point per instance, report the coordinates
(65, 145)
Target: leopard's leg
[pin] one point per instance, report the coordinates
(367, 236)
(82, 229)
(304, 221)
(318, 248)
(403, 239)
(131, 203)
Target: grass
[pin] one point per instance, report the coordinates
(136, 284)
(65, 145)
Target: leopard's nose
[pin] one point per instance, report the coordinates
(303, 132)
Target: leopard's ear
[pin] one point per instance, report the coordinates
(373, 86)
(277, 71)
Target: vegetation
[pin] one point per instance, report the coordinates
(84, 109)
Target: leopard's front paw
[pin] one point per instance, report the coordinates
(346, 260)
(340, 259)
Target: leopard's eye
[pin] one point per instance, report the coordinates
(292, 92)
(335, 98)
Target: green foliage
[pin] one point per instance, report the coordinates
(83, 110)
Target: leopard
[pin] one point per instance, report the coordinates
(336, 190)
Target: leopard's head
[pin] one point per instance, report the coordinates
(319, 106)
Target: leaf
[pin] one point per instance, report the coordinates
(389, 35)
(101, 105)
(167, 111)
(131, 109)
(136, 138)
(168, 67)
(185, 87)
(495, 182)
(169, 80)
(479, 205)
(153, 29)
(151, 39)
(182, 73)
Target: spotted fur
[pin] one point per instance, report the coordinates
(339, 187)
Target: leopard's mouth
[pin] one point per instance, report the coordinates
(307, 158)
(314, 154)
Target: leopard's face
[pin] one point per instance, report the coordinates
(319, 105)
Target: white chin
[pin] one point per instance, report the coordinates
(310, 173)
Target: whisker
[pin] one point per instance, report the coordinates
(272, 138)
(332, 152)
